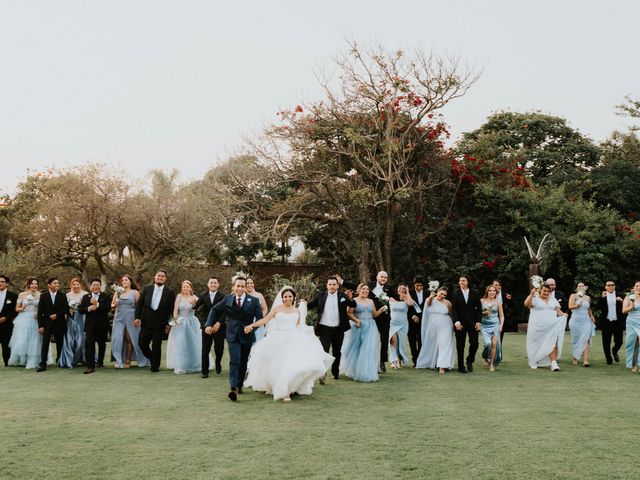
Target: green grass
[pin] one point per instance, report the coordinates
(515, 423)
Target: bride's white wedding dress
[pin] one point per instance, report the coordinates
(287, 360)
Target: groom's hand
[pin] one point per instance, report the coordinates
(216, 327)
(208, 330)
(137, 322)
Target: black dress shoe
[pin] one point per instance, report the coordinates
(89, 370)
(336, 377)
(41, 369)
(154, 370)
(240, 392)
(616, 357)
(609, 362)
(204, 375)
(469, 367)
(100, 365)
(462, 370)
(233, 395)
(218, 369)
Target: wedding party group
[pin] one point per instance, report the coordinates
(359, 329)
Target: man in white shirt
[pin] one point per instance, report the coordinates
(611, 321)
(8, 312)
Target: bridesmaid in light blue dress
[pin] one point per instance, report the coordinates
(26, 341)
(184, 346)
(251, 290)
(631, 307)
(399, 327)
(124, 334)
(73, 345)
(581, 325)
(490, 328)
(360, 353)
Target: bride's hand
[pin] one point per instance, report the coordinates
(248, 329)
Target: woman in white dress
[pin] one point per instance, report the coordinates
(251, 290)
(184, 345)
(26, 341)
(438, 344)
(289, 359)
(545, 332)
(581, 325)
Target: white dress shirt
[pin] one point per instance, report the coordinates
(330, 314)
(3, 297)
(53, 296)
(157, 296)
(465, 294)
(212, 295)
(611, 304)
(378, 290)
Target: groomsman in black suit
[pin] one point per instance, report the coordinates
(558, 295)
(53, 311)
(611, 320)
(96, 306)
(206, 300)
(377, 292)
(8, 312)
(467, 317)
(153, 313)
(238, 310)
(332, 320)
(415, 317)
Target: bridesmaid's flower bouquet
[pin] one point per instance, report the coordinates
(176, 321)
(536, 281)
(119, 290)
(632, 297)
(384, 298)
(74, 304)
(28, 299)
(434, 285)
(581, 292)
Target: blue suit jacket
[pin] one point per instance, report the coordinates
(236, 318)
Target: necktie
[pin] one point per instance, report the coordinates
(239, 303)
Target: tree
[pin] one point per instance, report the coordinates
(347, 170)
(551, 152)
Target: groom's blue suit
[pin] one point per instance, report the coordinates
(240, 343)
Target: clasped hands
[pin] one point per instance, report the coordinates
(213, 329)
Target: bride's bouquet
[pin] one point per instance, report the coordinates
(536, 281)
(176, 321)
(434, 285)
(384, 298)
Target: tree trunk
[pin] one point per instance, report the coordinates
(389, 228)
(363, 261)
(533, 270)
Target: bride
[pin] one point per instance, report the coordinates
(290, 358)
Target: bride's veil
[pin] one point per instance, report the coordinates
(302, 307)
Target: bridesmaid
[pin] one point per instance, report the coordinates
(631, 307)
(360, 353)
(399, 327)
(545, 332)
(26, 341)
(581, 325)
(73, 346)
(438, 343)
(492, 324)
(124, 335)
(251, 290)
(184, 346)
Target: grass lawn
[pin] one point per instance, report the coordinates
(515, 423)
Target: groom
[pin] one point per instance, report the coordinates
(238, 310)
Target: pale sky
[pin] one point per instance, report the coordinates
(164, 84)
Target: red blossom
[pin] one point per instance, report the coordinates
(488, 264)
(419, 218)
(298, 109)
(470, 224)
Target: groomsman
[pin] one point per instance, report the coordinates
(53, 311)
(611, 320)
(467, 317)
(557, 294)
(96, 306)
(332, 320)
(8, 312)
(415, 317)
(206, 300)
(503, 299)
(377, 293)
(153, 313)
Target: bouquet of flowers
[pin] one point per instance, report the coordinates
(28, 300)
(580, 292)
(119, 290)
(176, 321)
(632, 297)
(239, 274)
(384, 298)
(536, 281)
(434, 285)
(74, 304)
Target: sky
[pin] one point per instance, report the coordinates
(144, 84)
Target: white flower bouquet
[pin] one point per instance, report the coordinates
(119, 290)
(536, 281)
(434, 285)
(176, 321)
(28, 300)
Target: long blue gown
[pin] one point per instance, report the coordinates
(633, 333)
(582, 329)
(400, 327)
(73, 345)
(123, 321)
(490, 327)
(360, 354)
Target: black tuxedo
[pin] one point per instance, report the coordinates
(154, 322)
(8, 312)
(96, 326)
(217, 339)
(468, 313)
(239, 342)
(610, 327)
(383, 321)
(56, 327)
(506, 311)
(415, 328)
(332, 337)
(562, 300)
